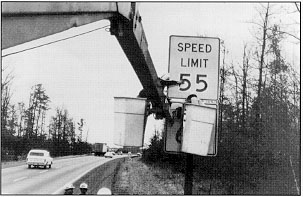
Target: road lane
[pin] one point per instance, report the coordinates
(21, 180)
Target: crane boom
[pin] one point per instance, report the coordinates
(26, 21)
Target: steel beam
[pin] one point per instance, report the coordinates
(131, 37)
(26, 21)
(14, 32)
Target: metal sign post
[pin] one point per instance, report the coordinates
(189, 174)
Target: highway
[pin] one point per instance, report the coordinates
(22, 180)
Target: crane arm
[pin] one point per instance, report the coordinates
(26, 21)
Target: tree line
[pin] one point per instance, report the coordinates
(24, 127)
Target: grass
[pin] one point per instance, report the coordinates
(137, 178)
(99, 177)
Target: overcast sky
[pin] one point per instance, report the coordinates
(83, 74)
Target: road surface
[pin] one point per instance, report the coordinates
(22, 180)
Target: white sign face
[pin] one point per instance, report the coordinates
(195, 62)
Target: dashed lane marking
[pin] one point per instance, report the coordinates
(19, 179)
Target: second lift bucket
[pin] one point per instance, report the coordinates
(199, 129)
(129, 119)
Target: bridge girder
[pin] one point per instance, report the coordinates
(26, 21)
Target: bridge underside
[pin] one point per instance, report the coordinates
(26, 21)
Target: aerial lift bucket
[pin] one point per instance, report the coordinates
(198, 129)
(129, 119)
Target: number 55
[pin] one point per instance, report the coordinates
(198, 80)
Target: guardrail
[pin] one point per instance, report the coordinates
(100, 176)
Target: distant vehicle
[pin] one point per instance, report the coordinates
(119, 153)
(109, 155)
(99, 149)
(139, 154)
(37, 157)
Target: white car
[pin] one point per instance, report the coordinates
(109, 155)
(37, 157)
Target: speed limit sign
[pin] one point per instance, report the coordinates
(195, 62)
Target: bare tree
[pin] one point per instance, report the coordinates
(6, 96)
(264, 27)
(222, 80)
(245, 66)
(237, 100)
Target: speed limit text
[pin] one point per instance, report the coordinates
(194, 61)
(194, 48)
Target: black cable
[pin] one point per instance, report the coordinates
(54, 41)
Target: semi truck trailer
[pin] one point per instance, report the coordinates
(99, 149)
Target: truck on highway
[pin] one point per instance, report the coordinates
(99, 149)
